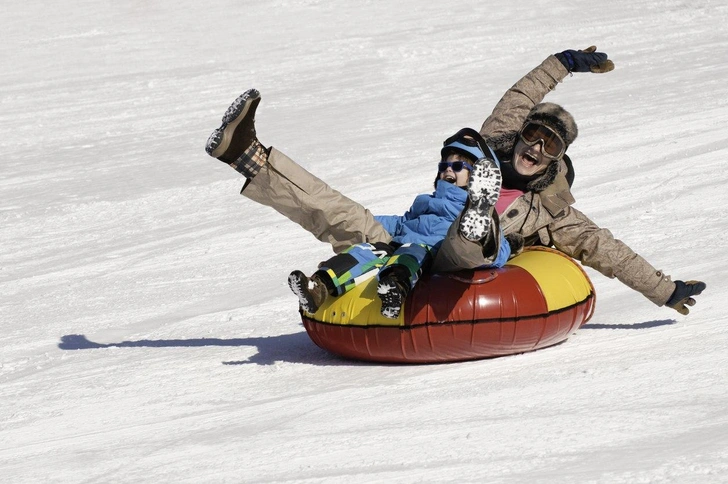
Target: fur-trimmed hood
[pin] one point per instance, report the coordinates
(557, 118)
(550, 114)
(503, 146)
(553, 116)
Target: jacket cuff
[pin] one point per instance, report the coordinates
(663, 289)
(555, 68)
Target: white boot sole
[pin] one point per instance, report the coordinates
(483, 192)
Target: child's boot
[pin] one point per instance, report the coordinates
(311, 292)
(392, 289)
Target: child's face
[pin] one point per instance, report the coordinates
(459, 178)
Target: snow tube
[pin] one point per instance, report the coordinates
(537, 300)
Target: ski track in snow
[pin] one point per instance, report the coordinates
(148, 333)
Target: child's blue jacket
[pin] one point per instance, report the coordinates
(429, 218)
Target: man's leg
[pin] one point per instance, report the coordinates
(308, 201)
(458, 253)
(278, 182)
(474, 239)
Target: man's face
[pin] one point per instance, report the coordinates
(529, 160)
(459, 178)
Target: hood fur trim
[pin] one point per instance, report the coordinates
(503, 144)
(548, 177)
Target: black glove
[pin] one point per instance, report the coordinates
(681, 298)
(587, 60)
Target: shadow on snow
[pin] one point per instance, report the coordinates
(644, 325)
(294, 348)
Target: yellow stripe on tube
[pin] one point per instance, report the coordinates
(562, 282)
(360, 306)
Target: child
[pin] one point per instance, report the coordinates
(466, 190)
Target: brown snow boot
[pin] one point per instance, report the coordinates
(235, 141)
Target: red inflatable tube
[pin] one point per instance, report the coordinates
(535, 301)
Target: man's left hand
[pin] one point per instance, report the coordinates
(587, 60)
(682, 297)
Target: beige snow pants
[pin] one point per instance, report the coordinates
(331, 217)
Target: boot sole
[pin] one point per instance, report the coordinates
(298, 282)
(220, 139)
(391, 299)
(483, 192)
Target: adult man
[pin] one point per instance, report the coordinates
(535, 205)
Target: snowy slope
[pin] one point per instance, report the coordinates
(146, 328)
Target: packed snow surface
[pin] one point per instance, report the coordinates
(147, 330)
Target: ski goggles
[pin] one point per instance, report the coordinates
(552, 145)
(457, 166)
